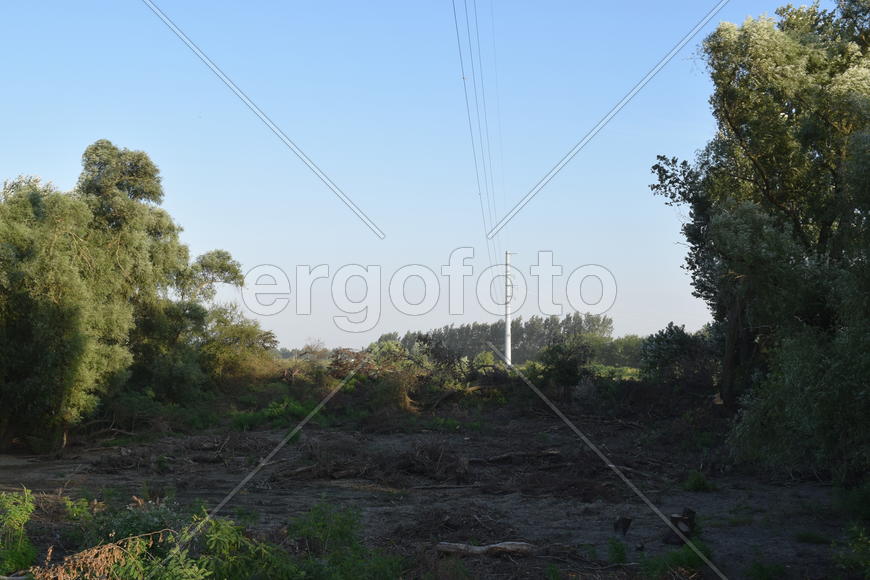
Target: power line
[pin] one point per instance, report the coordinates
(471, 132)
(477, 115)
(265, 119)
(498, 113)
(606, 119)
(486, 136)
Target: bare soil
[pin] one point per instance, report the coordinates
(518, 478)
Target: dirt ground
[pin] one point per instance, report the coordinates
(518, 478)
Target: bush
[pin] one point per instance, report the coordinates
(675, 357)
(812, 411)
(563, 364)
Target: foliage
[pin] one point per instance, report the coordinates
(812, 411)
(854, 556)
(675, 357)
(624, 351)
(16, 551)
(564, 363)
(528, 336)
(616, 552)
(161, 543)
(778, 231)
(331, 539)
(98, 299)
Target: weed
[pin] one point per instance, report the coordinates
(591, 552)
(854, 555)
(16, 551)
(682, 560)
(697, 482)
(616, 552)
(331, 538)
(78, 510)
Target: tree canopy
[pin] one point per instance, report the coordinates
(99, 295)
(778, 226)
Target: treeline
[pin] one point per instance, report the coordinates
(528, 337)
(101, 306)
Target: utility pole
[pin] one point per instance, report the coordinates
(508, 296)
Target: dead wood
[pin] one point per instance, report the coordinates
(507, 548)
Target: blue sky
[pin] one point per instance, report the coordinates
(372, 93)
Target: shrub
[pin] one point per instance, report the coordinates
(564, 364)
(812, 411)
(675, 357)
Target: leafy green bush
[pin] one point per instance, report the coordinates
(16, 551)
(675, 357)
(812, 411)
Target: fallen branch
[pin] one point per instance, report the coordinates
(519, 548)
(459, 486)
(517, 454)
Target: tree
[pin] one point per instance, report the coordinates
(98, 297)
(778, 203)
(675, 357)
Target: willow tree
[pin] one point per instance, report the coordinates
(777, 227)
(90, 281)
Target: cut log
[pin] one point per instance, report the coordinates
(516, 548)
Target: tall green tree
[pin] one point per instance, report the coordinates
(98, 295)
(778, 208)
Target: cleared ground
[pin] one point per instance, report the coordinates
(518, 478)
